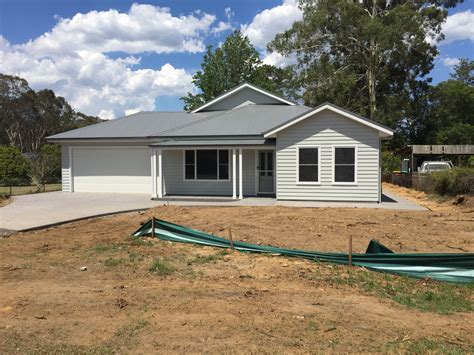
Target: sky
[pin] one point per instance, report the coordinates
(109, 58)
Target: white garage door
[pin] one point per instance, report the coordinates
(111, 170)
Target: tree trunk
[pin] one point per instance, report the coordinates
(371, 68)
(372, 91)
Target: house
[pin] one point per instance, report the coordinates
(246, 142)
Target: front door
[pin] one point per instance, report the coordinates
(266, 172)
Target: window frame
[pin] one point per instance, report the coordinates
(196, 164)
(346, 183)
(298, 182)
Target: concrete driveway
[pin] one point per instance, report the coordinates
(45, 209)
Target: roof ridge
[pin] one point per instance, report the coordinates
(237, 88)
(199, 121)
(96, 124)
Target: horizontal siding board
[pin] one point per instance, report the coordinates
(65, 172)
(327, 129)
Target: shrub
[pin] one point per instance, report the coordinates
(453, 182)
(12, 166)
(390, 163)
(44, 165)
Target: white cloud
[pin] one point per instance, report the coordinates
(222, 27)
(450, 62)
(278, 60)
(459, 26)
(266, 24)
(95, 84)
(73, 60)
(145, 28)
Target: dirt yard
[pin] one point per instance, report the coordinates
(147, 296)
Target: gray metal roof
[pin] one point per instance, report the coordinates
(251, 120)
(137, 125)
(243, 121)
(214, 142)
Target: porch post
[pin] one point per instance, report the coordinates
(153, 173)
(240, 174)
(234, 175)
(160, 174)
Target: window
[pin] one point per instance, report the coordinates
(344, 164)
(189, 165)
(308, 164)
(205, 164)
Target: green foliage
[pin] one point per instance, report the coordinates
(428, 346)
(370, 57)
(12, 166)
(453, 182)
(161, 267)
(44, 165)
(430, 296)
(390, 163)
(235, 62)
(209, 258)
(28, 117)
(464, 71)
(111, 262)
(445, 113)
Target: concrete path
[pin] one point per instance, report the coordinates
(44, 209)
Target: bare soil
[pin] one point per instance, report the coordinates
(208, 301)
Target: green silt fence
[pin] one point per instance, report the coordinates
(449, 267)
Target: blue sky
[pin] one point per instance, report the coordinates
(110, 58)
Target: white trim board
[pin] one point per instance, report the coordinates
(298, 182)
(238, 88)
(386, 132)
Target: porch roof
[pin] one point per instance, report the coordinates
(214, 143)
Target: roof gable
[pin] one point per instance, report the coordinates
(244, 93)
(384, 132)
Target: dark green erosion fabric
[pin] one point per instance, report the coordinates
(440, 266)
(376, 247)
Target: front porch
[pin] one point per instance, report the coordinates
(218, 172)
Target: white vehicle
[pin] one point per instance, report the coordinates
(431, 166)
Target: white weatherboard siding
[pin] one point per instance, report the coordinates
(242, 96)
(328, 129)
(65, 169)
(174, 183)
(111, 169)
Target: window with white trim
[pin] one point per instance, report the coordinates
(344, 164)
(206, 164)
(308, 164)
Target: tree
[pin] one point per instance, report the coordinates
(447, 114)
(28, 117)
(464, 71)
(370, 56)
(44, 165)
(12, 166)
(235, 62)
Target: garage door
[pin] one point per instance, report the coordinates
(111, 170)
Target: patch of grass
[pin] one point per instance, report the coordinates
(139, 241)
(103, 248)
(161, 267)
(208, 258)
(135, 257)
(111, 262)
(431, 296)
(429, 346)
(132, 329)
(312, 326)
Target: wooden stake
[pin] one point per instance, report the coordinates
(230, 238)
(350, 250)
(153, 227)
